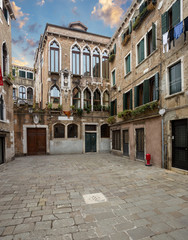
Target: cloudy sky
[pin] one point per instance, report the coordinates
(100, 16)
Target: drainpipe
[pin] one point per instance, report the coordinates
(162, 112)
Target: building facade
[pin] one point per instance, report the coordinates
(23, 84)
(149, 84)
(72, 91)
(6, 102)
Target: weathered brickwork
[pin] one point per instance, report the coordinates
(6, 122)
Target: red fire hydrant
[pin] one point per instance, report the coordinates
(148, 159)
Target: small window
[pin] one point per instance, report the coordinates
(59, 131)
(140, 51)
(76, 60)
(127, 100)
(14, 72)
(96, 63)
(90, 127)
(151, 40)
(29, 75)
(105, 65)
(175, 78)
(1, 108)
(22, 93)
(105, 131)
(128, 64)
(72, 131)
(114, 107)
(114, 77)
(116, 140)
(21, 74)
(30, 93)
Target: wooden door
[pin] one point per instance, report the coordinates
(36, 141)
(180, 144)
(2, 139)
(90, 142)
(140, 143)
(126, 142)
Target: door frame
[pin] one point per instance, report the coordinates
(3, 145)
(25, 127)
(123, 130)
(135, 128)
(97, 135)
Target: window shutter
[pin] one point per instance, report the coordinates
(147, 43)
(153, 36)
(142, 7)
(156, 93)
(142, 49)
(136, 96)
(111, 109)
(146, 91)
(124, 101)
(130, 27)
(115, 107)
(115, 48)
(131, 105)
(176, 13)
(178, 77)
(165, 23)
(129, 63)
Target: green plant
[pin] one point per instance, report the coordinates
(106, 108)
(112, 57)
(79, 111)
(111, 120)
(72, 107)
(88, 109)
(125, 114)
(97, 107)
(49, 105)
(59, 107)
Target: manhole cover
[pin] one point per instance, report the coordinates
(94, 198)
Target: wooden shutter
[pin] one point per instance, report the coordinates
(130, 27)
(165, 22)
(115, 48)
(115, 107)
(124, 101)
(156, 93)
(128, 64)
(131, 105)
(136, 96)
(153, 36)
(146, 91)
(142, 49)
(112, 109)
(176, 13)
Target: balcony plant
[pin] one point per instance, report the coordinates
(111, 120)
(112, 57)
(126, 39)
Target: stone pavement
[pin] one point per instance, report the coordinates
(43, 197)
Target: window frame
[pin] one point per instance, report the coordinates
(2, 106)
(68, 134)
(60, 136)
(85, 58)
(97, 69)
(76, 53)
(112, 79)
(22, 93)
(106, 91)
(29, 72)
(55, 50)
(20, 70)
(96, 102)
(116, 145)
(104, 133)
(125, 64)
(76, 99)
(87, 100)
(105, 58)
(137, 51)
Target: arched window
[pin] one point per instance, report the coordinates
(1, 108)
(87, 98)
(96, 63)
(72, 131)
(106, 99)
(5, 60)
(76, 98)
(54, 57)
(55, 94)
(30, 93)
(105, 131)
(76, 60)
(97, 100)
(59, 130)
(22, 92)
(105, 65)
(87, 61)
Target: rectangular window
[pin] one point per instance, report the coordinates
(175, 78)
(140, 51)
(114, 107)
(171, 17)
(29, 75)
(114, 77)
(90, 127)
(127, 100)
(21, 73)
(14, 93)
(13, 72)
(116, 140)
(105, 68)
(138, 95)
(151, 40)
(128, 64)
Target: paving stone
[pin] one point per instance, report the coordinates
(161, 228)
(139, 233)
(23, 228)
(104, 215)
(8, 230)
(119, 236)
(180, 234)
(124, 226)
(22, 215)
(43, 225)
(63, 223)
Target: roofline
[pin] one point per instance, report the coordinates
(11, 12)
(75, 30)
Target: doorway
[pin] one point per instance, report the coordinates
(90, 142)
(140, 143)
(125, 142)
